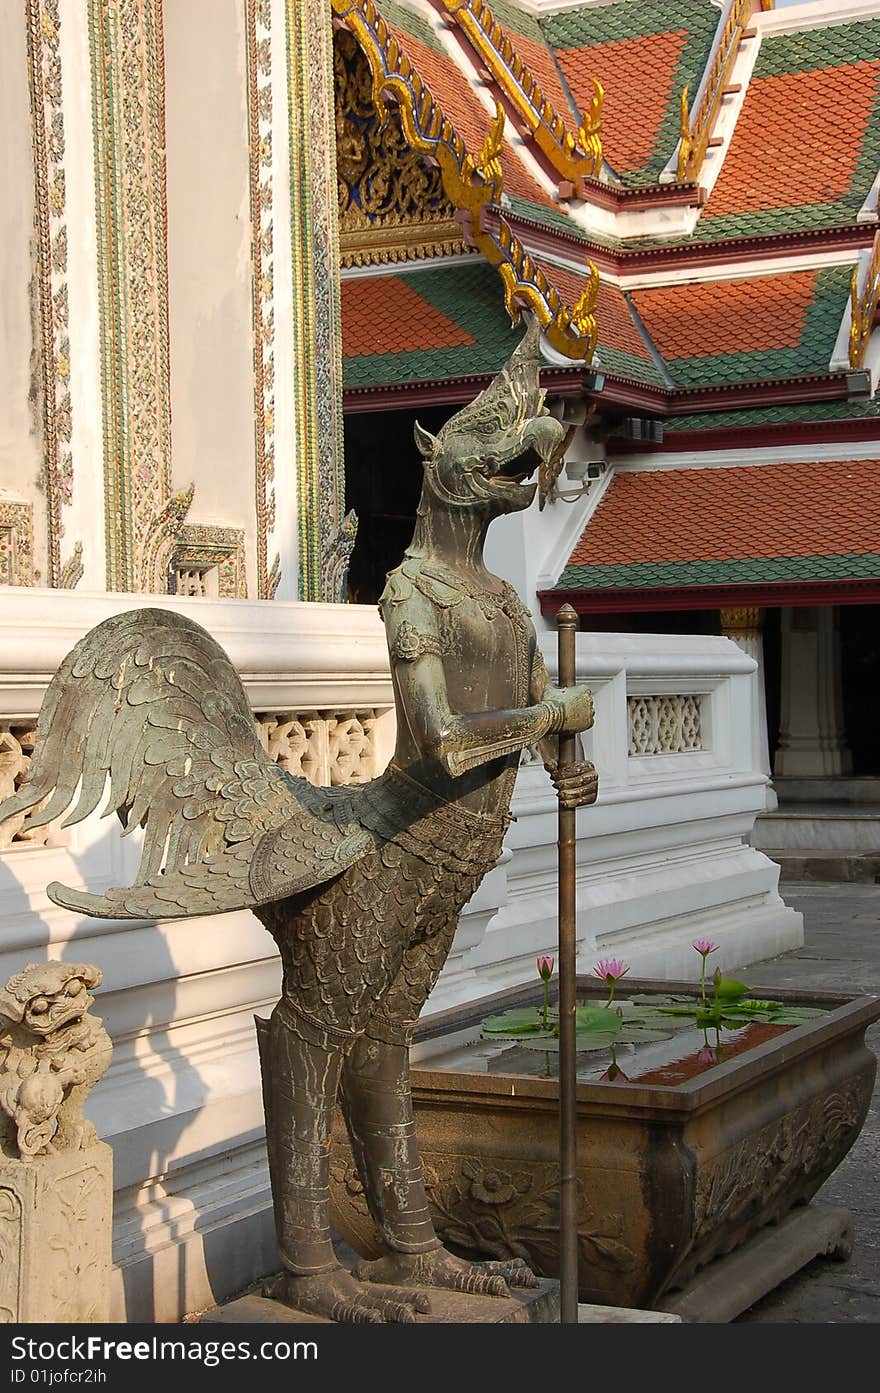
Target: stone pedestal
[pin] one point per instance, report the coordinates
(55, 1232)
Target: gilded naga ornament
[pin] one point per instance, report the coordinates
(362, 886)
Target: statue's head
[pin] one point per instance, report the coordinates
(46, 996)
(480, 459)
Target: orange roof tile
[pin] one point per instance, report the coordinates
(539, 60)
(383, 314)
(797, 139)
(775, 510)
(748, 315)
(637, 74)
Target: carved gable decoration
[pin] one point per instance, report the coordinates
(392, 206)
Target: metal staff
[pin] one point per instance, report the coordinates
(566, 625)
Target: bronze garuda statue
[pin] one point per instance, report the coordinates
(362, 886)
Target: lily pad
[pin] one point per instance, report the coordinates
(522, 1020)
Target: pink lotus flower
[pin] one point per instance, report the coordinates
(545, 967)
(610, 970)
(707, 1056)
(704, 948)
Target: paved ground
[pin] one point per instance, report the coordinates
(841, 952)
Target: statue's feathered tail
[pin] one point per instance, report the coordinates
(149, 701)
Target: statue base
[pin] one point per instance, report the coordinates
(55, 1236)
(539, 1306)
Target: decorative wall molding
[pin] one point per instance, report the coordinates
(16, 543)
(50, 209)
(199, 549)
(73, 570)
(258, 32)
(315, 249)
(128, 101)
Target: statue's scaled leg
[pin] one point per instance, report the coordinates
(300, 1066)
(376, 1100)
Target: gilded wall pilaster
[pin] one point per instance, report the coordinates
(316, 328)
(258, 31)
(128, 101)
(51, 242)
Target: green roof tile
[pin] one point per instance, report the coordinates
(760, 570)
(811, 355)
(866, 408)
(472, 296)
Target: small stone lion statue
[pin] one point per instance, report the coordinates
(52, 1052)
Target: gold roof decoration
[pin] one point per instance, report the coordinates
(865, 304)
(696, 127)
(472, 183)
(392, 205)
(572, 156)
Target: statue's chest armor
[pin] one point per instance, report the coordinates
(487, 640)
(486, 657)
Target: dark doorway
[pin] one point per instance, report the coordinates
(383, 482)
(860, 672)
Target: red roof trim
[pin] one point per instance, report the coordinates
(752, 437)
(767, 595)
(661, 401)
(618, 196)
(690, 255)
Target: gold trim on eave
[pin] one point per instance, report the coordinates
(697, 131)
(472, 184)
(573, 156)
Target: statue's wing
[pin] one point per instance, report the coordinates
(148, 701)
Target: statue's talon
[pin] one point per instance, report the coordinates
(439, 1268)
(340, 1296)
(516, 1272)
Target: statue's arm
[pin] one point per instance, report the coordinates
(461, 740)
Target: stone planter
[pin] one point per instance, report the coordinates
(671, 1176)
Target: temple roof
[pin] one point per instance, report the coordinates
(782, 193)
(644, 55)
(747, 328)
(704, 529)
(806, 146)
(424, 325)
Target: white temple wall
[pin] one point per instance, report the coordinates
(209, 265)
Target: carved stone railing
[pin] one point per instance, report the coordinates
(325, 747)
(664, 725)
